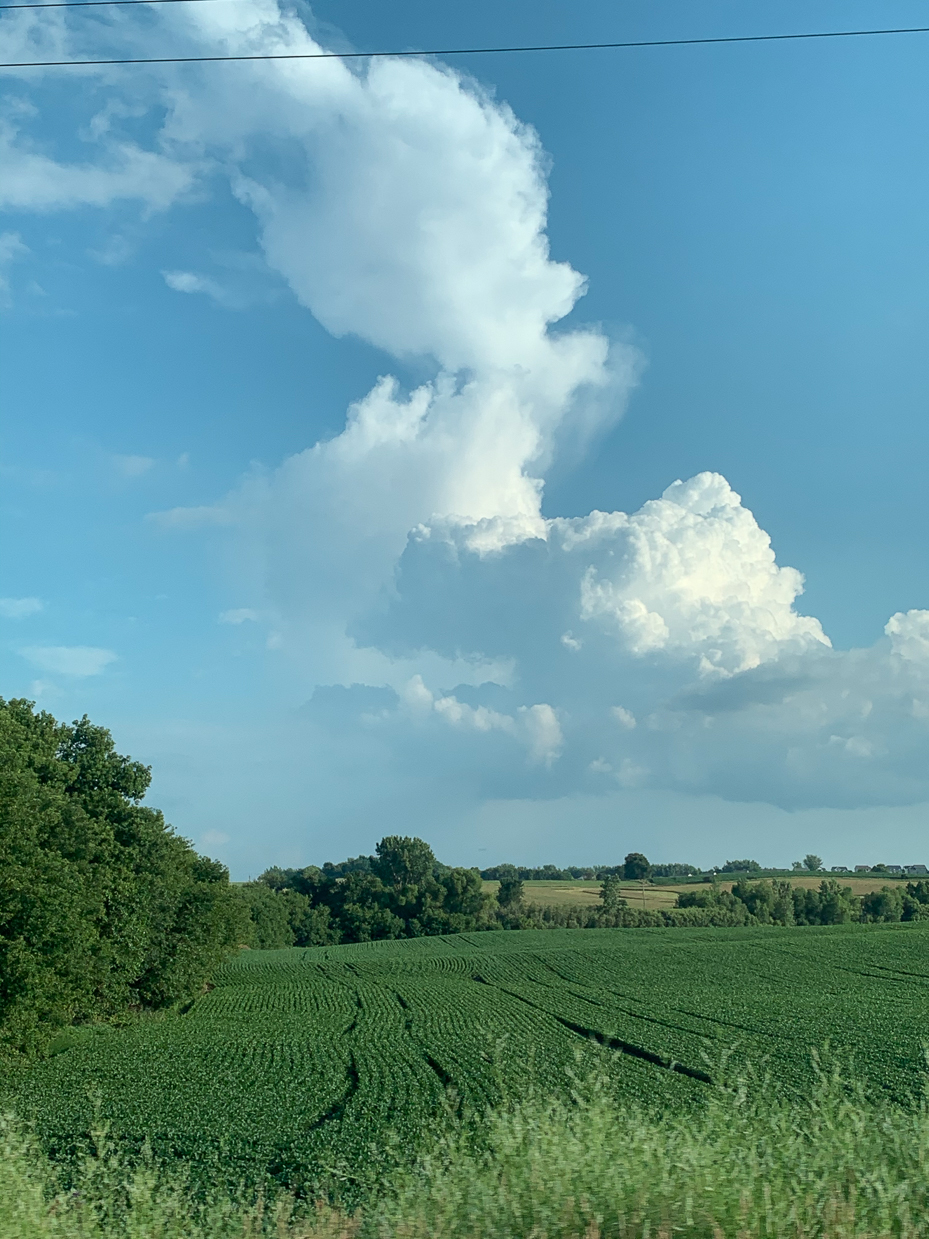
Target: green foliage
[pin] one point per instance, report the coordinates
(741, 866)
(403, 861)
(509, 892)
(102, 907)
(779, 903)
(812, 863)
(404, 892)
(610, 893)
(674, 871)
(891, 903)
(636, 867)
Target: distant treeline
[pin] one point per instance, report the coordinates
(403, 891)
(780, 903)
(551, 873)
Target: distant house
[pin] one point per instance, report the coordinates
(840, 868)
(894, 868)
(916, 871)
(862, 868)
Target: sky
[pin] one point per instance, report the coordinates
(524, 451)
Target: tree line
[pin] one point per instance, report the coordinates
(773, 902)
(572, 873)
(403, 891)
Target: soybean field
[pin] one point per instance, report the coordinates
(302, 1064)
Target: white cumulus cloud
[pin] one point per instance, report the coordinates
(19, 608)
(535, 726)
(238, 615)
(12, 248)
(693, 573)
(909, 635)
(34, 181)
(133, 466)
(76, 660)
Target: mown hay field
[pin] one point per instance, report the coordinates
(310, 1063)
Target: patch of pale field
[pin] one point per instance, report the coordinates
(860, 886)
(587, 893)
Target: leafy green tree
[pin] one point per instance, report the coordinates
(403, 861)
(309, 925)
(610, 893)
(919, 891)
(509, 892)
(741, 866)
(831, 904)
(636, 867)
(102, 906)
(463, 893)
(883, 905)
(813, 863)
(770, 903)
(269, 916)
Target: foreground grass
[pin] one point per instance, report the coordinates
(834, 1165)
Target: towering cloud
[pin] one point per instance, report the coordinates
(406, 560)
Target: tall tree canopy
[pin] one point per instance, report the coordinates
(103, 908)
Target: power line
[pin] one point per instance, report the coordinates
(445, 51)
(91, 4)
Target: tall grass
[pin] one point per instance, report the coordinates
(833, 1165)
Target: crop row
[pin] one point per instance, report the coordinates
(305, 1063)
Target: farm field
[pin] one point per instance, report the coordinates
(586, 893)
(304, 1060)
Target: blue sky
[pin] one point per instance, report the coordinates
(418, 626)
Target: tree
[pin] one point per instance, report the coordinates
(813, 863)
(268, 914)
(887, 904)
(610, 893)
(403, 861)
(771, 903)
(102, 906)
(636, 867)
(741, 866)
(797, 866)
(463, 892)
(509, 892)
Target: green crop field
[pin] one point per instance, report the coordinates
(301, 1061)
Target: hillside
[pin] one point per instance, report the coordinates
(302, 1060)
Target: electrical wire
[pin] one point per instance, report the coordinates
(91, 4)
(446, 51)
